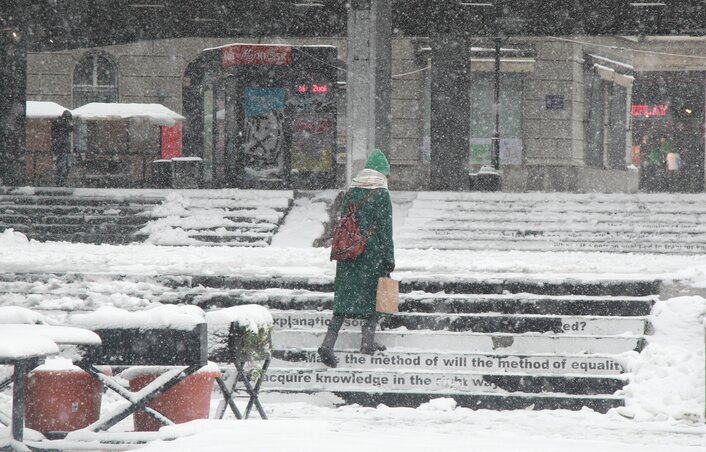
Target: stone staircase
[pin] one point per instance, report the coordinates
(217, 218)
(491, 343)
(502, 345)
(74, 215)
(162, 217)
(645, 223)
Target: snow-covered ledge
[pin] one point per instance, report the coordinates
(178, 317)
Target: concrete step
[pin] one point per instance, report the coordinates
(210, 242)
(553, 246)
(427, 303)
(135, 220)
(44, 210)
(196, 290)
(567, 236)
(59, 200)
(510, 401)
(487, 363)
(82, 237)
(273, 203)
(490, 285)
(400, 340)
(477, 323)
(646, 224)
(554, 202)
(429, 382)
(71, 229)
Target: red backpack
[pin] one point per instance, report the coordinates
(348, 242)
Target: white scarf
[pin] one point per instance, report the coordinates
(370, 179)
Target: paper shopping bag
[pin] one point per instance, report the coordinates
(387, 300)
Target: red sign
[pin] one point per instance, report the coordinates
(649, 110)
(314, 88)
(171, 141)
(256, 54)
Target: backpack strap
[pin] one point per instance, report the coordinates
(365, 198)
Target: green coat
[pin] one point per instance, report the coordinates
(356, 280)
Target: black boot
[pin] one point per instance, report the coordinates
(368, 345)
(326, 349)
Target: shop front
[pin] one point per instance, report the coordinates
(668, 130)
(263, 116)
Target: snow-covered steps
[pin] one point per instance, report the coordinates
(467, 342)
(431, 381)
(475, 380)
(659, 223)
(496, 343)
(455, 285)
(164, 217)
(491, 363)
(75, 215)
(477, 323)
(218, 218)
(527, 342)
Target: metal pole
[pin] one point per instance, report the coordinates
(495, 151)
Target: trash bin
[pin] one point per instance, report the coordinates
(487, 179)
(188, 172)
(61, 397)
(187, 400)
(162, 174)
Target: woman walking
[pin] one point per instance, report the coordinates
(356, 279)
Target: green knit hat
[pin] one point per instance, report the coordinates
(378, 162)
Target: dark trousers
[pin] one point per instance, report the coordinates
(367, 330)
(62, 169)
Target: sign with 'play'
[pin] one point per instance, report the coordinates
(496, 364)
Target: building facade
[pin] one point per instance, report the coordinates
(576, 113)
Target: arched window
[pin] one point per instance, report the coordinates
(95, 80)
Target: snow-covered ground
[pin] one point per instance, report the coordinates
(664, 401)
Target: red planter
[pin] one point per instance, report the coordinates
(61, 400)
(188, 400)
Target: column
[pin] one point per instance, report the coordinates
(368, 81)
(450, 112)
(13, 89)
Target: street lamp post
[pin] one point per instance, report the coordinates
(489, 177)
(495, 150)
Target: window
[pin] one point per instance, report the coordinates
(95, 80)
(483, 117)
(607, 118)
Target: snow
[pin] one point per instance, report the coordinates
(306, 222)
(168, 316)
(438, 425)
(9, 237)
(252, 317)
(59, 334)
(668, 375)
(664, 398)
(58, 364)
(156, 113)
(137, 371)
(14, 345)
(43, 110)
(18, 314)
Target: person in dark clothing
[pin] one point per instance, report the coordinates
(61, 130)
(356, 279)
